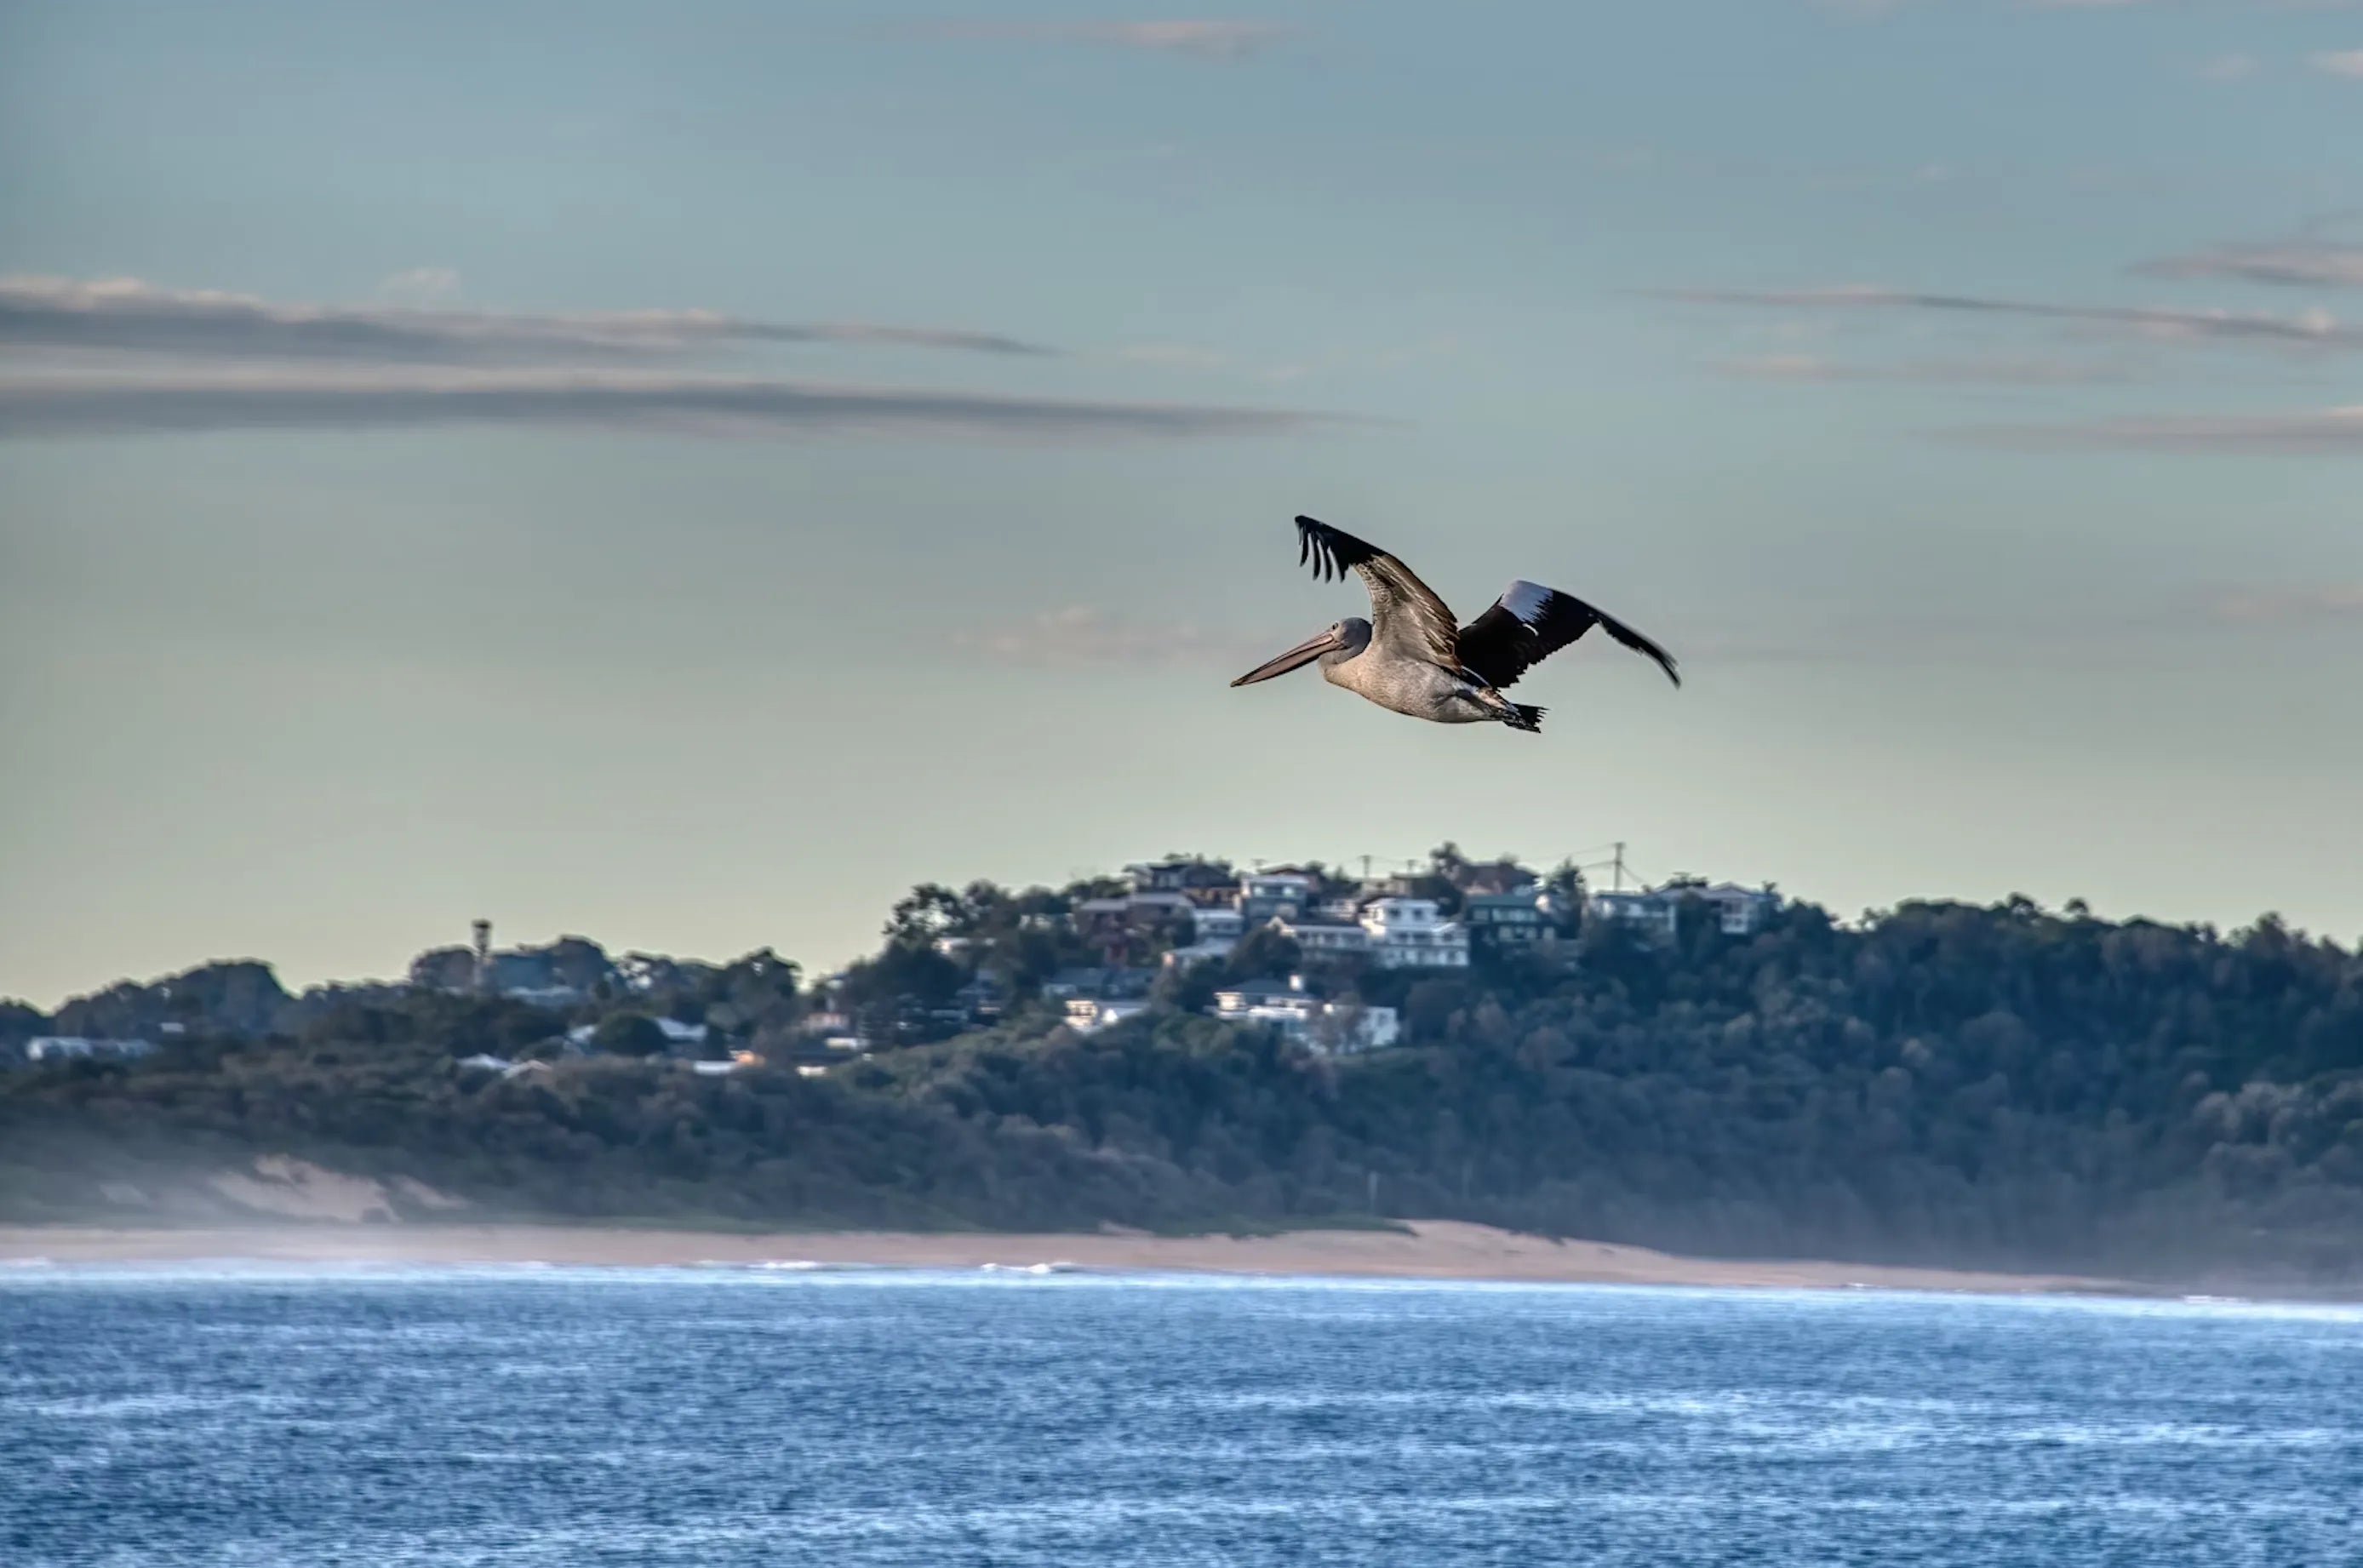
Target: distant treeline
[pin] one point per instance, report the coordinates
(2001, 1086)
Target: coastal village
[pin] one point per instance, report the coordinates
(1168, 933)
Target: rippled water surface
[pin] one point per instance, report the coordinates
(733, 1417)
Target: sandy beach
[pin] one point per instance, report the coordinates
(1429, 1249)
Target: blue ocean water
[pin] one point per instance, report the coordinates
(724, 1417)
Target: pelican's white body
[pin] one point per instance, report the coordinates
(1407, 684)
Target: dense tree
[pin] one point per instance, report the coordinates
(628, 1034)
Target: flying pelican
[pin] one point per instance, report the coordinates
(1409, 657)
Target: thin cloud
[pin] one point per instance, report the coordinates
(1199, 39)
(128, 316)
(2333, 602)
(1814, 368)
(699, 405)
(1079, 637)
(2313, 329)
(2334, 432)
(2347, 62)
(2296, 264)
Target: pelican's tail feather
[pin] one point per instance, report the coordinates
(1523, 715)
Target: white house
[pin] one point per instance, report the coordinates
(1214, 932)
(1737, 910)
(1265, 894)
(1410, 933)
(1330, 1027)
(59, 1046)
(1649, 913)
(1344, 907)
(1085, 1014)
(1324, 939)
(1214, 924)
(1740, 910)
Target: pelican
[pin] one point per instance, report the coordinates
(1409, 656)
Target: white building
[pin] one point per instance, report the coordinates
(1649, 913)
(1324, 939)
(1085, 1014)
(1344, 907)
(1215, 930)
(1331, 1027)
(1410, 933)
(1266, 894)
(1217, 924)
(59, 1047)
(1738, 910)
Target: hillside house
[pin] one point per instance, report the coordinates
(74, 1047)
(1113, 919)
(1214, 931)
(1268, 894)
(1185, 877)
(1319, 939)
(1331, 1027)
(1114, 985)
(1409, 933)
(1649, 914)
(1738, 910)
(1518, 918)
(1086, 1014)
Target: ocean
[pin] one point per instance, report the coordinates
(717, 1417)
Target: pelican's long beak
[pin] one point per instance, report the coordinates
(1305, 652)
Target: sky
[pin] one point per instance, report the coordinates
(682, 474)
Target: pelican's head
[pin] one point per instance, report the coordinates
(1340, 642)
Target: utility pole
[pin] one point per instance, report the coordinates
(1620, 865)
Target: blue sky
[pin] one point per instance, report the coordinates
(683, 473)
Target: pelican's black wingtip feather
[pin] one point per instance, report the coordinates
(1315, 545)
(1333, 550)
(1644, 645)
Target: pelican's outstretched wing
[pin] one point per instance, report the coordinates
(1404, 611)
(1529, 623)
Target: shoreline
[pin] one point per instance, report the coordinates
(1424, 1250)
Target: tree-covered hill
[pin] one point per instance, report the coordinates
(1995, 1086)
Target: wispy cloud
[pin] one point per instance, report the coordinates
(2332, 602)
(707, 406)
(2312, 328)
(1196, 39)
(2336, 432)
(2305, 263)
(127, 315)
(2347, 62)
(1081, 637)
(1994, 372)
